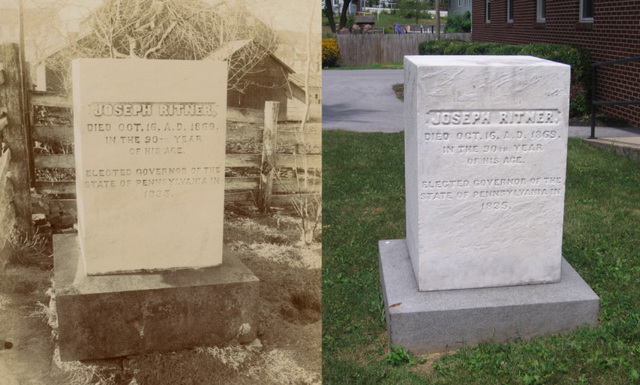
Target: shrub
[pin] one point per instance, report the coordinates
(458, 23)
(505, 49)
(481, 48)
(577, 57)
(433, 47)
(456, 47)
(330, 53)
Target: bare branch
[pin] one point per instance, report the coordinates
(157, 47)
(174, 29)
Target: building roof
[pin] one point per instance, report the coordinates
(298, 80)
(226, 51)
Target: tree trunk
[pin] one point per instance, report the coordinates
(343, 14)
(329, 11)
(437, 19)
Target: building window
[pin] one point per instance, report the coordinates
(586, 11)
(488, 9)
(541, 11)
(510, 11)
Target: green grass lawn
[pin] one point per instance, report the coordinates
(363, 202)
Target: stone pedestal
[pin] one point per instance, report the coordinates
(425, 322)
(118, 315)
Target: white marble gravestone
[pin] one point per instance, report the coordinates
(486, 148)
(485, 164)
(150, 152)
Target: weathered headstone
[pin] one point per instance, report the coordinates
(485, 166)
(486, 149)
(150, 150)
(146, 271)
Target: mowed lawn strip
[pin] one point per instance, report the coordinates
(363, 202)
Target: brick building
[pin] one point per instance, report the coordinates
(610, 29)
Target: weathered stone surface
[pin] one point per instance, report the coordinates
(117, 315)
(485, 158)
(424, 322)
(150, 152)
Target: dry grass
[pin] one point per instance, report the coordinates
(80, 373)
(233, 356)
(48, 313)
(280, 368)
(30, 250)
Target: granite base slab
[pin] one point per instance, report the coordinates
(425, 322)
(118, 315)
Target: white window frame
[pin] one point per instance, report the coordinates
(487, 11)
(510, 11)
(582, 9)
(541, 12)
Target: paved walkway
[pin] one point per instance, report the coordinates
(631, 142)
(363, 101)
(624, 145)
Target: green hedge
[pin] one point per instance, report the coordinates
(577, 57)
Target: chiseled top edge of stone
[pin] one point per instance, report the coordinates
(479, 60)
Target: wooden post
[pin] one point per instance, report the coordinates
(438, 19)
(15, 135)
(268, 168)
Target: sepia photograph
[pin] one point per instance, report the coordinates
(161, 192)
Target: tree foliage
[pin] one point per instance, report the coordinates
(414, 9)
(458, 23)
(174, 29)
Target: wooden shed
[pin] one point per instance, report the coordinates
(267, 79)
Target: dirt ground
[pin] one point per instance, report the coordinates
(288, 349)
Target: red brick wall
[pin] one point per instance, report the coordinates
(614, 34)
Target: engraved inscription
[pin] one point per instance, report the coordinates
(150, 132)
(483, 140)
(453, 118)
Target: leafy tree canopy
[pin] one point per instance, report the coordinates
(414, 9)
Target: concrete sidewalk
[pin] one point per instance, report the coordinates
(626, 145)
